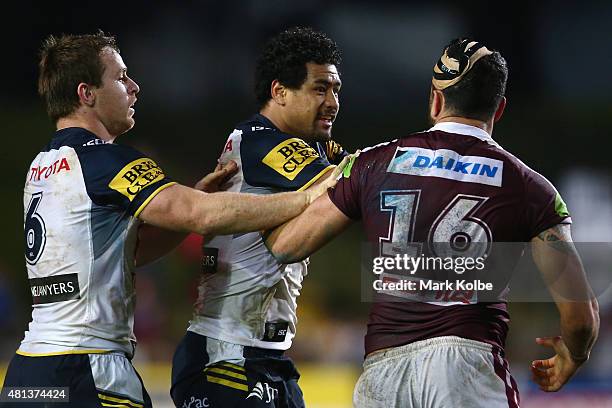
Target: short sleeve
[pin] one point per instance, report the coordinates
(346, 194)
(121, 177)
(275, 159)
(544, 206)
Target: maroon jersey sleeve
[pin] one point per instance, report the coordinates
(346, 194)
(544, 206)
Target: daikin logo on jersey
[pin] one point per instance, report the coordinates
(447, 164)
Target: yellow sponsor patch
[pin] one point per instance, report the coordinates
(290, 157)
(136, 176)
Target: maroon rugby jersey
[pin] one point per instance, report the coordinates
(451, 184)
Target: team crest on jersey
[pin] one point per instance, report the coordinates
(290, 157)
(135, 176)
(447, 164)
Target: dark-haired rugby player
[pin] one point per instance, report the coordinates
(452, 190)
(245, 316)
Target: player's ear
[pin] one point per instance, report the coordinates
(86, 94)
(437, 103)
(500, 109)
(278, 92)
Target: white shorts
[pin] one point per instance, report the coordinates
(117, 381)
(442, 372)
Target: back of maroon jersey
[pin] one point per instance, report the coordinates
(448, 192)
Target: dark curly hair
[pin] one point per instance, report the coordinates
(284, 58)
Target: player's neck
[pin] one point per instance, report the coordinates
(86, 122)
(486, 126)
(275, 117)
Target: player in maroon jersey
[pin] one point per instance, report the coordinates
(449, 193)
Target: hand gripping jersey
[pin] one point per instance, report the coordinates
(454, 185)
(245, 296)
(81, 200)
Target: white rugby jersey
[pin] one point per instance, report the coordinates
(81, 200)
(245, 295)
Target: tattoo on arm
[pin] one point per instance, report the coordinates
(557, 239)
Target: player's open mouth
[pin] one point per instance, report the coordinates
(326, 121)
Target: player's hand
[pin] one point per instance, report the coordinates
(330, 181)
(552, 374)
(211, 182)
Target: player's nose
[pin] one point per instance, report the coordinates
(133, 88)
(332, 103)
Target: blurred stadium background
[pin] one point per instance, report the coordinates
(194, 60)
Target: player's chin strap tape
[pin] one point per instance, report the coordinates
(458, 58)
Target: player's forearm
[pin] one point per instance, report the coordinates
(305, 234)
(580, 327)
(227, 213)
(287, 244)
(562, 270)
(181, 208)
(299, 238)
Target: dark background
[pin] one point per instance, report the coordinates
(194, 63)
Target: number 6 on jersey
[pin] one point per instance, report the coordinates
(35, 231)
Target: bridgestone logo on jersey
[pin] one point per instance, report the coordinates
(57, 288)
(290, 157)
(135, 176)
(447, 164)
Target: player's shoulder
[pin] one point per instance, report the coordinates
(390, 146)
(94, 154)
(272, 158)
(260, 139)
(102, 161)
(377, 151)
(475, 144)
(86, 142)
(74, 137)
(257, 127)
(379, 155)
(517, 174)
(516, 166)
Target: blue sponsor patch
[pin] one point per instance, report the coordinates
(447, 164)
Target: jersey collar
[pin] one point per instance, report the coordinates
(262, 119)
(462, 129)
(72, 131)
(267, 122)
